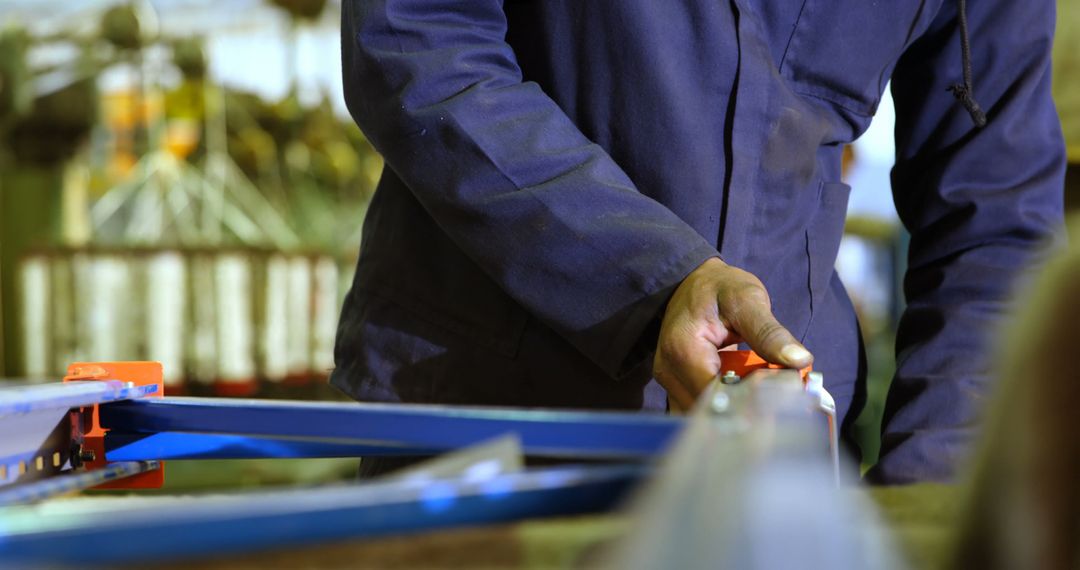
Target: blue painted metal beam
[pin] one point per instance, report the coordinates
(400, 428)
(156, 529)
(120, 446)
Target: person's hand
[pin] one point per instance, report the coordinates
(715, 306)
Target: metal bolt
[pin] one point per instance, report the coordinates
(721, 402)
(730, 377)
(80, 455)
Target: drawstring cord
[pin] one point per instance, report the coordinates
(965, 92)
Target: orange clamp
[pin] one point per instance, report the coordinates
(743, 362)
(140, 373)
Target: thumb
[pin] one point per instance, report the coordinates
(769, 339)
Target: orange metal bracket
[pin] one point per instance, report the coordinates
(743, 362)
(141, 373)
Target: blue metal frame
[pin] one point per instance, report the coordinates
(204, 427)
(726, 495)
(164, 528)
(121, 446)
(151, 528)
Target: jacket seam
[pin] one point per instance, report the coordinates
(833, 101)
(791, 38)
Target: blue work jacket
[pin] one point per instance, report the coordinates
(555, 168)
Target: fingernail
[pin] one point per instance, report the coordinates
(795, 353)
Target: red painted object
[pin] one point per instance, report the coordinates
(141, 373)
(743, 362)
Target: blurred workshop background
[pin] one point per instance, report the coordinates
(180, 181)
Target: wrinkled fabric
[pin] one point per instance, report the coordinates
(555, 168)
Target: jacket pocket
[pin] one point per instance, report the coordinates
(844, 51)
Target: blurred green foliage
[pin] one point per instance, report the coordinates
(1067, 73)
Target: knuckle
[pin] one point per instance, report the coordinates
(739, 295)
(679, 354)
(666, 342)
(745, 277)
(756, 293)
(670, 349)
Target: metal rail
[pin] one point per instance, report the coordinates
(164, 528)
(21, 399)
(72, 481)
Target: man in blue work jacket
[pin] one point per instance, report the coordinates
(581, 196)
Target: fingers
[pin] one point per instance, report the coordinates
(685, 361)
(756, 324)
(695, 362)
(679, 396)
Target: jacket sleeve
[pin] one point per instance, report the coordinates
(979, 204)
(503, 171)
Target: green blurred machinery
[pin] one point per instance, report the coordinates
(212, 172)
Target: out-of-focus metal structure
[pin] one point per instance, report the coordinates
(751, 484)
(228, 236)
